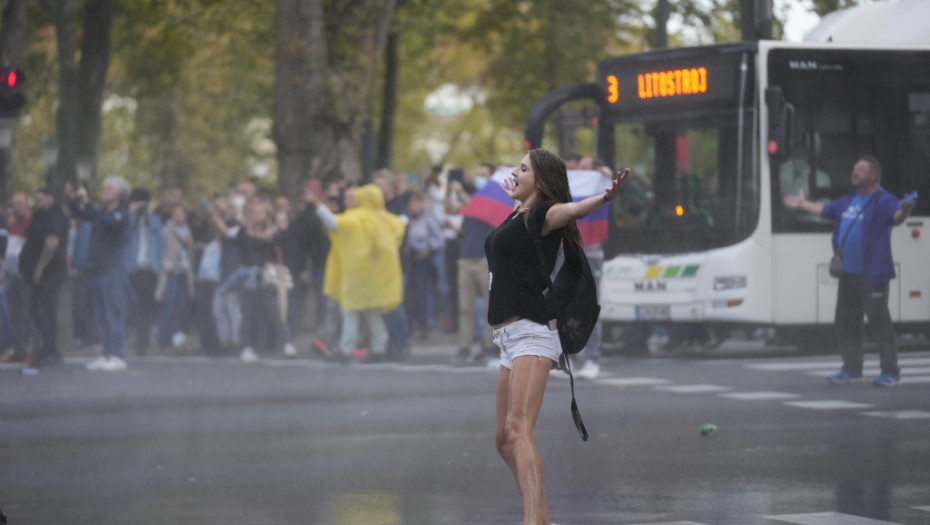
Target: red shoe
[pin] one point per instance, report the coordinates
(29, 360)
(322, 348)
(360, 353)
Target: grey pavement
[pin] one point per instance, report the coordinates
(195, 440)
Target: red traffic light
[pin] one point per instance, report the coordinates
(12, 79)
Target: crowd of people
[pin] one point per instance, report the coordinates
(364, 269)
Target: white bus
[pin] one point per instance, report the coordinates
(715, 136)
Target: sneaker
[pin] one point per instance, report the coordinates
(248, 355)
(29, 360)
(886, 380)
(843, 377)
(10, 356)
(178, 339)
(360, 353)
(289, 350)
(322, 348)
(114, 364)
(97, 364)
(590, 370)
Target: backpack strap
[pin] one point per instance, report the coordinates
(535, 235)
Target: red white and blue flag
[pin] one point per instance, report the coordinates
(491, 205)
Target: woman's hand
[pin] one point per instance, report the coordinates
(616, 184)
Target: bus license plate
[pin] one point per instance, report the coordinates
(653, 312)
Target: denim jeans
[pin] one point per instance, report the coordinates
(376, 330)
(175, 310)
(398, 329)
(227, 314)
(6, 339)
(108, 297)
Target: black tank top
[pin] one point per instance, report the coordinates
(516, 281)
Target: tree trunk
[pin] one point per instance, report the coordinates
(323, 92)
(388, 102)
(95, 60)
(62, 17)
(12, 39)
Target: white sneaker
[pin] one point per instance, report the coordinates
(114, 364)
(98, 363)
(590, 370)
(177, 340)
(248, 355)
(289, 350)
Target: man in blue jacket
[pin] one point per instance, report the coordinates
(107, 284)
(864, 218)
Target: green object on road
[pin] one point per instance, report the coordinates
(708, 429)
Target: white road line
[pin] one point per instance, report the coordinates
(922, 508)
(827, 405)
(902, 414)
(803, 366)
(758, 396)
(672, 523)
(693, 389)
(634, 381)
(905, 371)
(828, 518)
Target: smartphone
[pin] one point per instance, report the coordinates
(457, 174)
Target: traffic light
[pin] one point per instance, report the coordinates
(11, 95)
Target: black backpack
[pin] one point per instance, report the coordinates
(571, 299)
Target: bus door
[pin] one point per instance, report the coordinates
(849, 103)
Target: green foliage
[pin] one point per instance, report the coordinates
(189, 89)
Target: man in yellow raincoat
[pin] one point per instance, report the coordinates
(363, 269)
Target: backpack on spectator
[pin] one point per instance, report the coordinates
(571, 299)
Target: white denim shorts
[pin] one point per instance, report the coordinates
(524, 337)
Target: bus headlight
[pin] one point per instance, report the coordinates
(729, 283)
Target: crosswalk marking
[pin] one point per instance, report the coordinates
(693, 389)
(802, 366)
(905, 372)
(901, 414)
(758, 396)
(827, 405)
(634, 381)
(828, 518)
(672, 523)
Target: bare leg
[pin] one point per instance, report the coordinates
(519, 399)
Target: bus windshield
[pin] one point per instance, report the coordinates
(865, 102)
(685, 191)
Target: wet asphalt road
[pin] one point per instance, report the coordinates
(198, 441)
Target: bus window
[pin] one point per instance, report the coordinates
(684, 192)
(852, 103)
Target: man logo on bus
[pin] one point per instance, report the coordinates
(659, 285)
(807, 65)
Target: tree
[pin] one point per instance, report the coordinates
(328, 54)
(825, 7)
(80, 86)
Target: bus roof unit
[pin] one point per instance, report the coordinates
(890, 22)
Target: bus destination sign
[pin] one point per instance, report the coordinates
(673, 85)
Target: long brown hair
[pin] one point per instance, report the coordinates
(552, 180)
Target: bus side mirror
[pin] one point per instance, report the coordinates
(781, 123)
